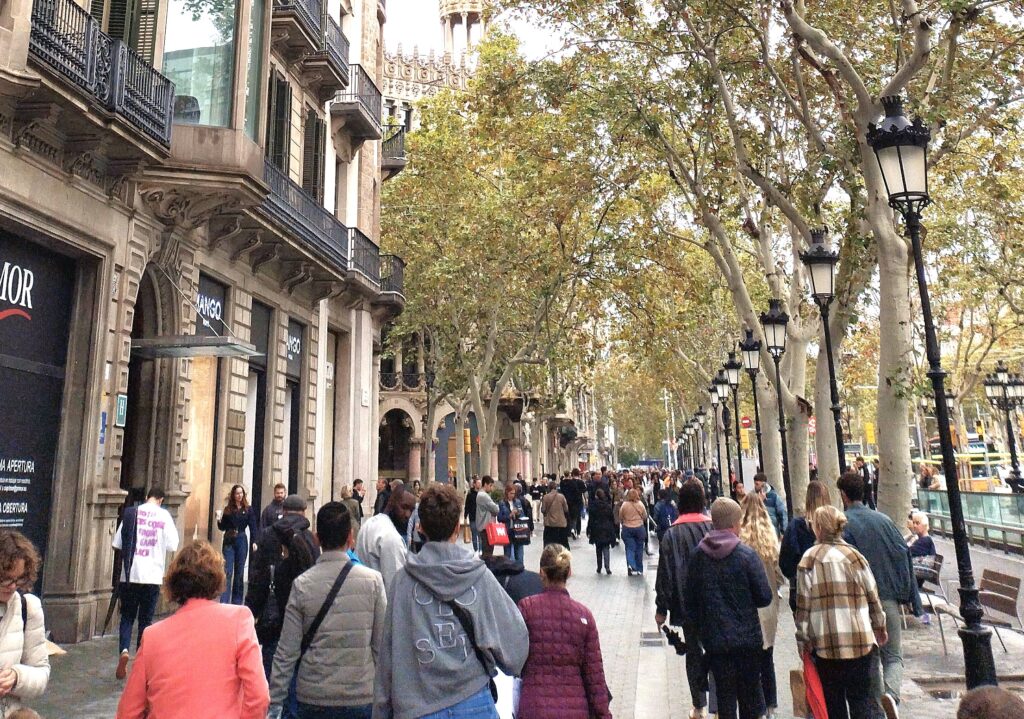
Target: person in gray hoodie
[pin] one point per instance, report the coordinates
(449, 626)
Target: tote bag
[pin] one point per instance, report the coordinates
(497, 534)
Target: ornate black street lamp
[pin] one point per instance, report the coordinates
(722, 388)
(751, 349)
(1006, 393)
(773, 324)
(901, 148)
(700, 415)
(821, 266)
(713, 393)
(688, 430)
(732, 370)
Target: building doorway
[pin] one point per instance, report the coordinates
(396, 431)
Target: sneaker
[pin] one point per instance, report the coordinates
(890, 707)
(122, 665)
(608, 570)
(926, 619)
(698, 713)
(629, 571)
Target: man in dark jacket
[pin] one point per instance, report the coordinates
(518, 581)
(725, 586)
(469, 513)
(772, 502)
(286, 550)
(383, 495)
(676, 548)
(881, 542)
(664, 514)
(573, 489)
(273, 511)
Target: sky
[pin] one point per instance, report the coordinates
(417, 23)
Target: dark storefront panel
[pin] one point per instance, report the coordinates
(36, 295)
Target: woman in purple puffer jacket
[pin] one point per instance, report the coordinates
(564, 675)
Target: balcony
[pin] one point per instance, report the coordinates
(393, 158)
(298, 214)
(318, 47)
(120, 89)
(364, 259)
(357, 110)
(392, 286)
(402, 381)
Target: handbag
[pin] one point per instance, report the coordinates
(467, 534)
(520, 530)
(497, 534)
(814, 692)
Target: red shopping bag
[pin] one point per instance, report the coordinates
(497, 534)
(815, 693)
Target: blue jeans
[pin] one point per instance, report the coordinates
(234, 566)
(515, 551)
(476, 537)
(309, 711)
(478, 706)
(634, 537)
(137, 600)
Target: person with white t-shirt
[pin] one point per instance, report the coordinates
(143, 556)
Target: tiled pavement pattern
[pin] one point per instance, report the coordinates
(646, 678)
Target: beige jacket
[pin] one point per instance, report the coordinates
(339, 667)
(556, 509)
(23, 649)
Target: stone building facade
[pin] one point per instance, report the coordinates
(191, 290)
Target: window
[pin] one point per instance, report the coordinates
(254, 72)
(279, 116)
(133, 21)
(199, 56)
(314, 145)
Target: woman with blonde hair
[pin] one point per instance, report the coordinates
(839, 617)
(346, 498)
(800, 537)
(218, 671)
(633, 518)
(563, 677)
(758, 533)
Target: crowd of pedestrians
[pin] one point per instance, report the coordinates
(409, 613)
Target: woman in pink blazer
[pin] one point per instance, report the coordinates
(204, 660)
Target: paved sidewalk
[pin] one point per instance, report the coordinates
(645, 676)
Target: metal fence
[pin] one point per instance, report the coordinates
(294, 208)
(365, 255)
(392, 274)
(337, 44)
(394, 143)
(362, 89)
(994, 518)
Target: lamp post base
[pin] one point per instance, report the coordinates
(979, 665)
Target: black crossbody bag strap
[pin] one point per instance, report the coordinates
(307, 638)
(467, 626)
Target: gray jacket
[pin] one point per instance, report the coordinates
(339, 666)
(486, 510)
(426, 662)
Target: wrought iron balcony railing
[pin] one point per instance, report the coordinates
(392, 274)
(69, 41)
(394, 142)
(390, 381)
(294, 208)
(309, 12)
(336, 45)
(365, 256)
(362, 90)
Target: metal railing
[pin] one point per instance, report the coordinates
(394, 144)
(294, 208)
(390, 381)
(362, 89)
(392, 274)
(68, 40)
(365, 255)
(991, 517)
(309, 12)
(336, 44)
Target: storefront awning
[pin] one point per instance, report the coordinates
(192, 346)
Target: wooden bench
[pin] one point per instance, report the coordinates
(998, 594)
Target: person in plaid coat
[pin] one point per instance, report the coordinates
(839, 617)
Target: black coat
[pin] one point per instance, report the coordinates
(601, 525)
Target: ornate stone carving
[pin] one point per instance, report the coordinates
(186, 208)
(297, 274)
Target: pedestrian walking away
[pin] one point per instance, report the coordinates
(449, 626)
(235, 520)
(601, 529)
(564, 673)
(839, 618)
(800, 537)
(725, 586)
(677, 547)
(470, 512)
(555, 510)
(876, 537)
(218, 671)
(147, 533)
(332, 629)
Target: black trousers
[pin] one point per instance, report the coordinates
(556, 535)
(696, 667)
(737, 686)
(847, 690)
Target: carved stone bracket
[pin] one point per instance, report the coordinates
(187, 208)
(297, 274)
(326, 291)
(269, 253)
(223, 232)
(30, 116)
(253, 242)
